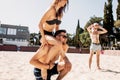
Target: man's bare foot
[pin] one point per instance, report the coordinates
(89, 67)
(99, 68)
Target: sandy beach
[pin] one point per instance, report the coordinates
(15, 66)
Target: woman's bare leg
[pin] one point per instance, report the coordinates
(90, 58)
(55, 50)
(43, 50)
(44, 74)
(38, 59)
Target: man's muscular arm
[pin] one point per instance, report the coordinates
(103, 30)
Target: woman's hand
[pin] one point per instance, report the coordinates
(51, 65)
(43, 41)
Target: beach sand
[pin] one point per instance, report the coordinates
(15, 66)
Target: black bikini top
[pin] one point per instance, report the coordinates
(54, 21)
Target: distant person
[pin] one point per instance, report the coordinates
(63, 65)
(95, 30)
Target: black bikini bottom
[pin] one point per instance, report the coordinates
(48, 33)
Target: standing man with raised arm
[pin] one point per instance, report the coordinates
(95, 42)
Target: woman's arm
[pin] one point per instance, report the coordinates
(41, 23)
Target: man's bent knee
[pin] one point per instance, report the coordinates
(69, 67)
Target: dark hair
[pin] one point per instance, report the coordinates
(62, 9)
(58, 32)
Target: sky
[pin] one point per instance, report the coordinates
(29, 12)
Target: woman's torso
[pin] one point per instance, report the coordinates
(52, 21)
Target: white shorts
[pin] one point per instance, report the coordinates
(95, 47)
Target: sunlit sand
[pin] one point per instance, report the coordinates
(15, 66)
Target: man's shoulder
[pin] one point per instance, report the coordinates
(66, 45)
